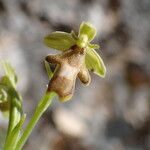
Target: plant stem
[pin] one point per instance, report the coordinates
(41, 108)
(14, 117)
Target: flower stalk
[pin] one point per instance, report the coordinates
(41, 108)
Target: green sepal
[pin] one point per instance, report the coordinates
(87, 29)
(94, 62)
(59, 40)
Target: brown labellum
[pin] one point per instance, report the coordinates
(71, 64)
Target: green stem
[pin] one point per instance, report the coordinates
(9, 127)
(14, 117)
(14, 135)
(41, 108)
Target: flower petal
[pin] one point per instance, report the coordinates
(87, 29)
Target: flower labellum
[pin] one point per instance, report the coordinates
(70, 65)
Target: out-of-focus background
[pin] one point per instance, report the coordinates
(112, 113)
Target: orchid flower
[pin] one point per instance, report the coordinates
(78, 57)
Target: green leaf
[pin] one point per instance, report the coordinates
(11, 101)
(94, 62)
(87, 29)
(59, 40)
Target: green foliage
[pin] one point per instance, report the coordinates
(14, 135)
(8, 91)
(11, 101)
(8, 94)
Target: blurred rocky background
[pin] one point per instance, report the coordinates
(112, 113)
